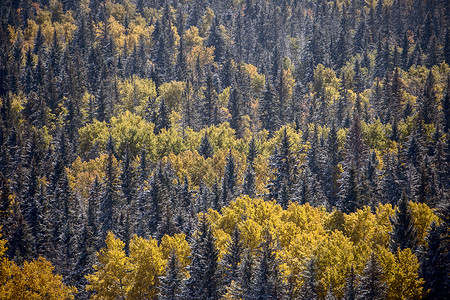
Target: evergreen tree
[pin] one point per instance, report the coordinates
(110, 197)
(230, 176)
(162, 120)
(446, 107)
(370, 284)
(171, 282)
(249, 185)
(203, 282)
(89, 243)
(128, 177)
(43, 238)
(208, 107)
(284, 164)
(268, 115)
(267, 282)
(403, 232)
(20, 239)
(350, 191)
(235, 106)
(231, 260)
(428, 102)
(350, 286)
(205, 149)
(310, 281)
(434, 262)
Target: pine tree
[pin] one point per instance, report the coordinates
(332, 169)
(171, 282)
(167, 223)
(43, 238)
(356, 149)
(403, 232)
(371, 286)
(208, 106)
(158, 199)
(446, 106)
(217, 40)
(89, 242)
(235, 106)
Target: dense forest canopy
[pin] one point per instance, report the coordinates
(206, 149)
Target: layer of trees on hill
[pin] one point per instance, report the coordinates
(208, 149)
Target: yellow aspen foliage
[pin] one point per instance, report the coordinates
(116, 31)
(180, 245)
(384, 226)
(335, 255)
(168, 141)
(251, 233)
(257, 80)
(82, 174)
(172, 93)
(360, 226)
(95, 133)
(201, 54)
(325, 77)
(112, 277)
(400, 271)
(147, 264)
(192, 38)
(423, 217)
(134, 94)
(191, 164)
(132, 130)
(206, 23)
(307, 217)
(34, 280)
(221, 240)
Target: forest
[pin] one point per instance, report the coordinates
(225, 149)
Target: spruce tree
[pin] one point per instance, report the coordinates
(203, 282)
(284, 165)
(371, 286)
(403, 233)
(110, 198)
(351, 286)
(162, 120)
(171, 283)
(267, 282)
(231, 260)
(230, 175)
(310, 281)
(434, 262)
(268, 116)
(205, 149)
(428, 102)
